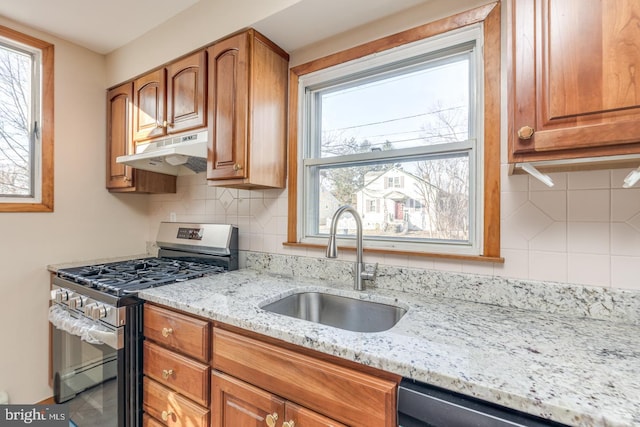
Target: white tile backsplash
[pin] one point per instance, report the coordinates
(589, 180)
(588, 237)
(589, 269)
(589, 205)
(625, 272)
(585, 230)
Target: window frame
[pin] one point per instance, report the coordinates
(43, 155)
(487, 15)
(461, 44)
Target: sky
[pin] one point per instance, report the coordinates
(395, 108)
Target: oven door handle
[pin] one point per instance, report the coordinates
(90, 331)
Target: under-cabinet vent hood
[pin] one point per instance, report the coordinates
(177, 155)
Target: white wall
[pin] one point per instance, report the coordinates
(585, 230)
(88, 222)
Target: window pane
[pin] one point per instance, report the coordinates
(424, 199)
(15, 119)
(414, 107)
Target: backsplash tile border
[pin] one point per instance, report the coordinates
(617, 305)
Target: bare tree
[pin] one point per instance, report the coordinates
(445, 181)
(15, 101)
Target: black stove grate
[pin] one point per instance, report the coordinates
(128, 277)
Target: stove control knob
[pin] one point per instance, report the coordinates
(77, 302)
(62, 295)
(100, 311)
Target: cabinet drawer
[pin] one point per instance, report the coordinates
(180, 373)
(148, 421)
(344, 394)
(177, 331)
(175, 410)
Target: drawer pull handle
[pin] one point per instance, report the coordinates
(288, 424)
(166, 332)
(271, 419)
(166, 373)
(166, 415)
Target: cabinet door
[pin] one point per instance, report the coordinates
(573, 78)
(119, 136)
(303, 417)
(186, 93)
(149, 102)
(238, 404)
(228, 103)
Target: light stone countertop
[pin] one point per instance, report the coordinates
(578, 371)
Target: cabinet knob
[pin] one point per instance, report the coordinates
(237, 167)
(288, 424)
(166, 373)
(166, 415)
(271, 419)
(526, 132)
(166, 332)
(167, 124)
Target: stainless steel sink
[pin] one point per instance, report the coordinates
(338, 311)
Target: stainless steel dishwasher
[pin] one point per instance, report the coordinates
(423, 405)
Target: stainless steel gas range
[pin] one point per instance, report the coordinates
(97, 320)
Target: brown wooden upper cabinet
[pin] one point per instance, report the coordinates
(171, 99)
(122, 178)
(247, 112)
(574, 81)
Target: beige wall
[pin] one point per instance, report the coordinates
(201, 24)
(88, 222)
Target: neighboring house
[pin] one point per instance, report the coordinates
(393, 201)
(396, 202)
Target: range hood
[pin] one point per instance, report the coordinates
(177, 155)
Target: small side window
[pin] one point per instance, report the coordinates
(26, 123)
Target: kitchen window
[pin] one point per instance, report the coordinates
(26, 123)
(411, 128)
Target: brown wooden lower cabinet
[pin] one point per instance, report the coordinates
(177, 378)
(236, 403)
(253, 379)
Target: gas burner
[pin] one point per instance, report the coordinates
(129, 277)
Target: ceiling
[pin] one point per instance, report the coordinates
(101, 26)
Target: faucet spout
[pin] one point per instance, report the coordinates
(360, 273)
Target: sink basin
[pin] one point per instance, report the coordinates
(340, 312)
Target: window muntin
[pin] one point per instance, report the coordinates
(26, 118)
(356, 124)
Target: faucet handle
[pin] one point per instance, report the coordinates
(371, 276)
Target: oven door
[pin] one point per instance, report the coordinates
(94, 372)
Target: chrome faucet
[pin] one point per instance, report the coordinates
(360, 270)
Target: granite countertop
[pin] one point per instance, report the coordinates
(578, 371)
